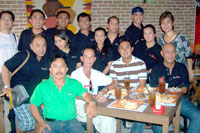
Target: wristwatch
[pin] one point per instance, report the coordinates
(6, 86)
(95, 101)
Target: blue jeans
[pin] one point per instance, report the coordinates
(187, 109)
(71, 126)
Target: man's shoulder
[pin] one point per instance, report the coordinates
(51, 30)
(27, 31)
(180, 65)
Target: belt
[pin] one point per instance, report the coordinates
(50, 119)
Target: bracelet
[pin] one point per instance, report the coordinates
(6, 86)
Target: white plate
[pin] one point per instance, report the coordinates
(138, 96)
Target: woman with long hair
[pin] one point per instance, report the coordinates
(103, 53)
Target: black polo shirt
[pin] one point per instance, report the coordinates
(32, 73)
(102, 59)
(114, 46)
(151, 56)
(72, 59)
(179, 75)
(26, 37)
(134, 33)
(80, 41)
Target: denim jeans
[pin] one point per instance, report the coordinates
(71, 126)
(191, 112)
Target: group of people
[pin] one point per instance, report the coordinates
(66, 70)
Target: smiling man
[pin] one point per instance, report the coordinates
(135, 31)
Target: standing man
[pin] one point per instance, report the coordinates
(176, 74)
(113, 36)
(59, 103)
(8, 47)
(90, 80)
(31, 74)
(135, 31)
(128, 66)
(84, 37)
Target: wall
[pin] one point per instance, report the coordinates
(183, 10)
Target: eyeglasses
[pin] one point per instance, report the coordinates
(90, 85)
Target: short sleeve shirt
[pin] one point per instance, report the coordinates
(182, 46)
(59, 105)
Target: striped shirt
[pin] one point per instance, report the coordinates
(135, 70)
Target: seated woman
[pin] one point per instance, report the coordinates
(62, 46)
(148, 50)
(103, 53)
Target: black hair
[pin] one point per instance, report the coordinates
(61, 33)
(56, 56)
(38, 35)
(37, 10)
(115, 17)
(88, 47)
(106, 45)
(9, 12)
(124, 39)
(152, 27)
(83, 15)
(58, 13)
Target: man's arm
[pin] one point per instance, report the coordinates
(191, 75)
(36, 115)
(6, 79)
(91, 110)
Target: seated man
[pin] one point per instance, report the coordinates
(129, 66)
(176, 74)
(92, 79)
(58, 95)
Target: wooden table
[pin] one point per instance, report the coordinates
(146, 116)
(1, 115)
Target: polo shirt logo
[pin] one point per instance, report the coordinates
(74, 56)
(91, 39)
(44, 68)
(176, 77)
(152, 56)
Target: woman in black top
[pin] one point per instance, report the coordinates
(103, 53)
(63, 47)
(148, 50)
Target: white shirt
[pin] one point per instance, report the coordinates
(8, 47)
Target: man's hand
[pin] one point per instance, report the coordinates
(42, 127)
(100, 98)
(91, 110)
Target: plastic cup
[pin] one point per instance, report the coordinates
(152, 98)
(127, 83)
(118, 92)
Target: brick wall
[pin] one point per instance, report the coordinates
(183, 10)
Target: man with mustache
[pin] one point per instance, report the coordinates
(58, 95)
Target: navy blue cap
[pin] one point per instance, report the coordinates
(137, 9)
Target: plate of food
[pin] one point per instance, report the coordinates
(111, 93)
(127, 104)
(166, 100)
(138, 96)
(174, 90)
(144, 89)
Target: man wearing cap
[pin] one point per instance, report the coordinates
(135, 31)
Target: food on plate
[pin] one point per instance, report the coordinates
(127, 104)
(138, 96)
(174, 90)
(163, 98)
(112, 92)
(144, 89)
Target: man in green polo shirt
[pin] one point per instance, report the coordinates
(58, 95)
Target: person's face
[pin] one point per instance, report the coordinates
(60, 43)
(6, 21)
(137, 18)
(125, 49)
(58, 68)
(100, 37)
(88, 58)
(169, 53)
(113, 25)
(37, 20)
(84, 23)
(63, 20)
(166, 25)
(38, 46)
(149, 35)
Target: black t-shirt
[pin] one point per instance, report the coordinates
(31, 74)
